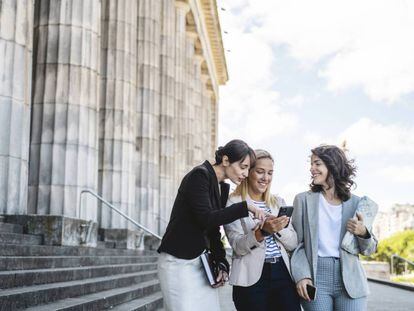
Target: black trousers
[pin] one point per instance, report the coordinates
(274, 291)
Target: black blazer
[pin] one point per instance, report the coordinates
(199, 211)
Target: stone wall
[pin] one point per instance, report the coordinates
(377, 269)
(119, 97)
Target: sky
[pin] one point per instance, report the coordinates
(303, 73)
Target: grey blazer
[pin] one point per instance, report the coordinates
(304, 259)
(248, 253)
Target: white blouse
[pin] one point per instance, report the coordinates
(329, 228)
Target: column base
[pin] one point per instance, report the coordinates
(58, 230)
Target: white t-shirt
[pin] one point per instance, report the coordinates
(329, 231)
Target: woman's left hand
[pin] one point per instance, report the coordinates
(222, 278)
(356, 225)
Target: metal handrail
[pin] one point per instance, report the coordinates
(401, 258)
(116, 210)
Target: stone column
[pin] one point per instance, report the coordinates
(148, 111)
(189, 111)
(181, 10)
(214, 119)
(64, 140)
(117, 115)
(208, 148)
(16, 41)
(167, 114)
(200, 154)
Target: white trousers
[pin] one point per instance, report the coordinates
(184, 285)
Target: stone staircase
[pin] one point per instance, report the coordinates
(40, 277)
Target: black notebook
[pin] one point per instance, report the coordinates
(209, 267)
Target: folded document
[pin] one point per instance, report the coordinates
(368, 209)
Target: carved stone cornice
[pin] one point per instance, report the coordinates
(203, 18)
(183, 5)
(199, 58)
(211, 19)
(191, 32)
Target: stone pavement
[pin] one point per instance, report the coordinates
(226, 302)
(385, 298)
(382, 298)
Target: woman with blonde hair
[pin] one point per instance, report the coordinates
(260, 272)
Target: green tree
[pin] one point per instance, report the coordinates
(401, 244)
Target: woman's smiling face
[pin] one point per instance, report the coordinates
(260, 176)
(319, 171)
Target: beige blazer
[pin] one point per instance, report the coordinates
(248, 253)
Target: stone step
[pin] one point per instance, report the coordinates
(48, 250)
(24, 297)
(107, 299)
(9, 263)
(19, 239)
(10, 228)
(11, 279)
(103, 244)
(150, 302)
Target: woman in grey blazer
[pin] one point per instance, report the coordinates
(321, 218)
(260, 267)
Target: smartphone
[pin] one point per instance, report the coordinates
(285, 211)
(311, 291)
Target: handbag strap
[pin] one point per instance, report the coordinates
(244, 226)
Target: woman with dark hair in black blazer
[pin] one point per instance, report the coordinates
(198, 212)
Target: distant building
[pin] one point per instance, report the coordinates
(399, 218)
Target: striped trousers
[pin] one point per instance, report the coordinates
(331, 294)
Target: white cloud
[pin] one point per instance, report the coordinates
(312, 139)
(363, 44)
(259, 120)
(290, 190)
(296, 101)
(350, 44)
(367, 137)
(249, 108)
(399, 174)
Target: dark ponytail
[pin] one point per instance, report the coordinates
(235, 150)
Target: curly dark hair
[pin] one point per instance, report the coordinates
(340, 170)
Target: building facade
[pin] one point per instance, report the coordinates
(118, 97)
(399, 218)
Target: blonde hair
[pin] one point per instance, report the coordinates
(243, 189)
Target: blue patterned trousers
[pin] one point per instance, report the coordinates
(331, 294)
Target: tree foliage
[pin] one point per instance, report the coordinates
(401, 244)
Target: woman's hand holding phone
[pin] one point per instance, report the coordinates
(302, 290)
(274, 224)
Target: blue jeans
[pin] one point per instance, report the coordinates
(274, 291)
